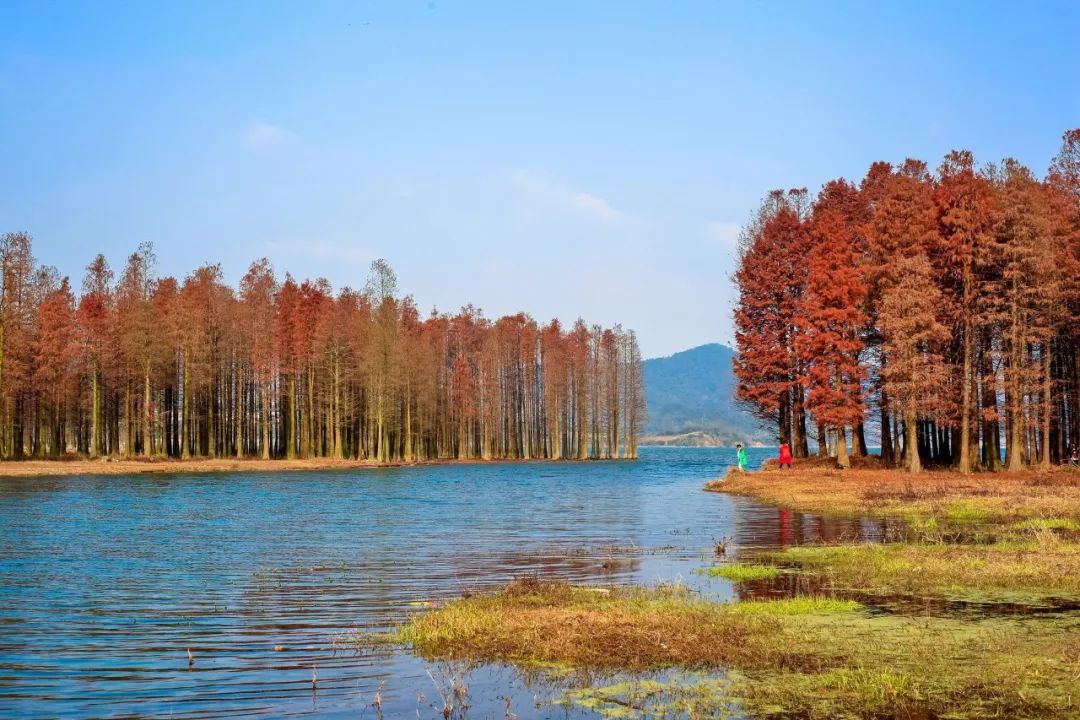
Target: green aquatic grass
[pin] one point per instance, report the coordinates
(802, 605)
(1036, 524)
(686, 696)
(1033, 570)
(966, 511)
(738, 572)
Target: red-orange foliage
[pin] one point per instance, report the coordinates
(830, 321)
(772, 280)
(157, 367)
(953, 290)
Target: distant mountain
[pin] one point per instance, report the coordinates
(691, 400)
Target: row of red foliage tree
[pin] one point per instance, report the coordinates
(154, 366)
(942, 305)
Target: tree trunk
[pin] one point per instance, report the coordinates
(1047, 405)
(911, 452)
(886, 431)
(802, 447)
(1015, 440)
(784, 421)
(264, 419)
(964, 464)
(185, 411)
(858, 440)
(211, 425)
(147, 415)
(842, 447)
(95, 414)
(339, 447)
(290, 449)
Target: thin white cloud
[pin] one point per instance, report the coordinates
(259, 135)
(596, 207)
(538, 196)
(725, 234)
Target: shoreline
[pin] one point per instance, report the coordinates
(942, 495)
(155, 466)
(972, 614)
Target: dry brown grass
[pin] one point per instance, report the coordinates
(946, 496)
(631, 628)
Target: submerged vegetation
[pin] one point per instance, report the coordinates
(802, 658)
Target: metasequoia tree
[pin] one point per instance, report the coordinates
(912, 338)
(16, 312)
(902, 224)
(771, 280)
(830, 320)
(944, 301)
(965, 203)
(1064, 179)
(153, 366)
(95, 318)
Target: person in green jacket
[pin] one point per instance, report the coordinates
(741, 454)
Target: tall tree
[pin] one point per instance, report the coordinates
(966, 218)
(771, 279)
(913, 337)
(830, 319)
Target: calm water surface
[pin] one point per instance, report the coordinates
(106, 582)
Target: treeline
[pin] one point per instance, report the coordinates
(945, 305)
(149, 366)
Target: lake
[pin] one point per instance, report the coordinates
(106, 582)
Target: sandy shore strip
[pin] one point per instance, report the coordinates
(136, 466)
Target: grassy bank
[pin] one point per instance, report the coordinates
(998, 538)
(800, 658)
(946, 498)
(1037, 571)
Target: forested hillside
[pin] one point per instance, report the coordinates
(155, 366)
(691, 400)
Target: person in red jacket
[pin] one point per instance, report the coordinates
(785, 456)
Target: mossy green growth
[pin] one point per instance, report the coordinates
(802, 605)
(1034, 571)
(965, 511)
(738, 572)
(679, 696)
(1037, 524)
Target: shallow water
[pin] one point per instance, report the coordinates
(105, 582)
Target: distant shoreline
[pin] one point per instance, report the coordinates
(160, 466)
(696, 439)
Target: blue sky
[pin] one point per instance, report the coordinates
(565, 159)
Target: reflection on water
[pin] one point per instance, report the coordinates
(756, 526)
(105, 583)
